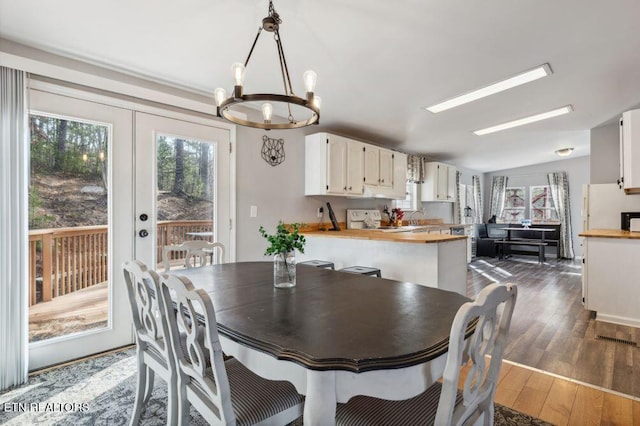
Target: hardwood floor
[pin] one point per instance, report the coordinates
(563, 402)
(550, 329)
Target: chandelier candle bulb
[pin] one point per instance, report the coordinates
(267, 112)
(219, 95)
(317, 101)
(310, 78)
(238, 73)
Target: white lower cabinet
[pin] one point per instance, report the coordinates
(610, 286)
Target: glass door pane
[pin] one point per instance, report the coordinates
(183, 177)
(68, 226)
(185, 194)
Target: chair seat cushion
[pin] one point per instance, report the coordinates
(365, 410)
(255, 399)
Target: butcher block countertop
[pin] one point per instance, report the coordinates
(376, 235)
(610, 233)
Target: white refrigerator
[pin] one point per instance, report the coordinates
(603, 203)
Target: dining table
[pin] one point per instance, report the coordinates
(335, 334)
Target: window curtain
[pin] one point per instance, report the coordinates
(477, 199)
(13, 228)
(498, 191)
(415, 168)
(559, 185)
(457, 217)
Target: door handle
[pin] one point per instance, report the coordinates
(143, 233)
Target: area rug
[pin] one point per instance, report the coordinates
(100, 391)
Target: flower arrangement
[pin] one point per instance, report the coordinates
(395, 216)
(285, 240)
(282, 245)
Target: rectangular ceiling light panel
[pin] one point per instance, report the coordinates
(526, 120)
(517, 80)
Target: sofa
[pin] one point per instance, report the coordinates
(487, 233)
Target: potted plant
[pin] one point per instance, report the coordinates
(282, 245)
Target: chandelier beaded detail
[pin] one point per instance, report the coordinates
(309, 105)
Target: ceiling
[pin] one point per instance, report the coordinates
(378, 62)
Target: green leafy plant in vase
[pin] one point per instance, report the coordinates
(282, 245)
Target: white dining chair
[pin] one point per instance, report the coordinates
(153, 344)
(442, 404)
(197, 253)
(223, 392)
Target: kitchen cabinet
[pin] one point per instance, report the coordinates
(378, 166)
(334, 165)
(610, 283)
(630, 152)
(440, 182)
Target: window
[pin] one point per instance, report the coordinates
(411, 200)
(541, 204)
(514, 205)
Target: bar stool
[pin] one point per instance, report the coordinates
(319, 264)
(364, 270)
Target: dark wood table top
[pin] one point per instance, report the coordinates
(331, 320)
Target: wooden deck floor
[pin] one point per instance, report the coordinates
(82, 310)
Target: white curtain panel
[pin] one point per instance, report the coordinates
(477, 199)
(14, 339)
(457, 217)
(559, 185)
(498, 192)
(415, 168)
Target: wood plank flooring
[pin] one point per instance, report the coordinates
(552, 331)
(560, 401)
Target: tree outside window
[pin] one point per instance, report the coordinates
(541, 204)
(514, 205)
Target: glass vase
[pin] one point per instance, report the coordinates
(284, 270)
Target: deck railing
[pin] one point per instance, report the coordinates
(64, 260)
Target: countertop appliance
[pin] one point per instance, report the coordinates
(634, 225)
(363, 218)
(625, 219)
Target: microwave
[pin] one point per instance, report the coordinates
(625, 219)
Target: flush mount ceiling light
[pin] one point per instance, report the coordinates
(564, 152)
(517, 80)
(310, 106)
(526, 120)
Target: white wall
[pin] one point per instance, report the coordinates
(578, 171)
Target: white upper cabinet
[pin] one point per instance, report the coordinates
(440, 182)
(630, 151)
(378, 166)
(335, 165)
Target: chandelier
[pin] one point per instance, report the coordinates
(310, 105)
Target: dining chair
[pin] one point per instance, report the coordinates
(224, 392)
(197, 253)
(442, 404)
(153, 344)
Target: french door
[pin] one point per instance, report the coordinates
(80, 213)
(110, 183)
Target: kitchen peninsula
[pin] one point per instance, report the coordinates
(432, 260)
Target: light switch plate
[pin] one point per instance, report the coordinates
(253, 211)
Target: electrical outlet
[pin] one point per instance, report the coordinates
(320, 211)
